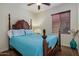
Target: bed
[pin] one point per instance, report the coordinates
(34, 44)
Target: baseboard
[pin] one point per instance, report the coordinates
(65, 45)
(78, 50)
(1, 50)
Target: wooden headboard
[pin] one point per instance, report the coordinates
(20, 24)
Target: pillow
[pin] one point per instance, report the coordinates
(10, 33)
(28, 32)
(18, 32)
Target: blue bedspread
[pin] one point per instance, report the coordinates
(32, 45)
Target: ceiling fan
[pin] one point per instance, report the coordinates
(38, 4)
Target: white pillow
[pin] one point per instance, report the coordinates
(16, 32)
(28, 32)
(10, 33)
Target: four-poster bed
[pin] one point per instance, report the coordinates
(22, 24)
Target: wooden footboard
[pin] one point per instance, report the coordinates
(49, 51)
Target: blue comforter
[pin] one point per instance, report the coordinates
(32, 45)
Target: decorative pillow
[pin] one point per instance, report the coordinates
(28, 32)
(18, 32)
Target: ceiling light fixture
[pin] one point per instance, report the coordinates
(39, 4)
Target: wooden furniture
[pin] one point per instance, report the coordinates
(22, 24)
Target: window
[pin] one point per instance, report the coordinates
(61, 21)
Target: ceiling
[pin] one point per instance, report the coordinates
(34, 7)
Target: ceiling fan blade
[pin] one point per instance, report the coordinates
(30, 4)
(38, 7)
(46, 4)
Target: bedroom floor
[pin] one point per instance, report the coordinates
(66, 51)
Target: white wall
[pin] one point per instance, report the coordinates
(45, 19)
(17, 12)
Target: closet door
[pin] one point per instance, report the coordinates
(55, 23)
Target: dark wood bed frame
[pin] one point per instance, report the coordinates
(22, 24)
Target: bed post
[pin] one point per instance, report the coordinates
(45, 45)
(30, 23)
(9, 27)
(59, 42)
(9, 24)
